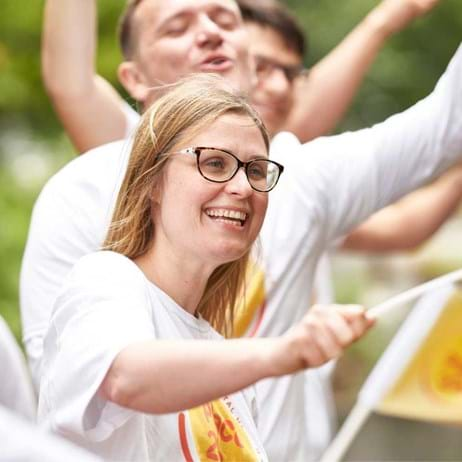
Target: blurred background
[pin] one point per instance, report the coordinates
(33, 146)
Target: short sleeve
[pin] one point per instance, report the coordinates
(102, 309)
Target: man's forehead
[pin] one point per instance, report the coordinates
(163, 9)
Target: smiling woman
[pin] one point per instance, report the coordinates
(152, 378)
(173, 196)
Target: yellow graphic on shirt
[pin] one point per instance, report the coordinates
(216, 433)
(251, 307)
(431, 386)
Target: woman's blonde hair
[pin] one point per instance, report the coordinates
(186, 109)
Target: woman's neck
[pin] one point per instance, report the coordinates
(184, 281)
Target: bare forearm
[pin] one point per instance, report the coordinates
(89, 108)
(68, 45)
(326, 94)
(162, 376)
(413, 220)
(167, 376)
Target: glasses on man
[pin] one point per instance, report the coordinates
(265, 67)
(219, 166)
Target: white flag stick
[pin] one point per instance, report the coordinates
(347, 433)
(405, 297)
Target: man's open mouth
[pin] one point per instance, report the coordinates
(216, 63)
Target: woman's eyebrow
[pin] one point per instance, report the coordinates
(253, 156)
(264, 155)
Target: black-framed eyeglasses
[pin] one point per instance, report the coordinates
(220, 166)
(266, 66)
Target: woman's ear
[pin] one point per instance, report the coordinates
(133, 81)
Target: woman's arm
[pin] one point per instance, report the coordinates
(163, 376)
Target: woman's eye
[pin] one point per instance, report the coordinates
(216, 164)
(257, 171)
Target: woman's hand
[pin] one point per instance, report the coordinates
(322, 335)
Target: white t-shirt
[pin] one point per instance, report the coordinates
(16, 391)
(24, 442)
(328, 187)
(106, 305)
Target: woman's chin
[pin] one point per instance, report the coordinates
(227, 254)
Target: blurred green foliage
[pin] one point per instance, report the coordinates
(15, 207)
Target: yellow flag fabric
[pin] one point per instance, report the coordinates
(420, 374)
(430, 388)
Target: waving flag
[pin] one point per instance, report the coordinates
(419, 376)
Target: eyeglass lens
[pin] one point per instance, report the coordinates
(220, 166)
(265, 67)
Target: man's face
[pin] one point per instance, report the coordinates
(276, 66)
(174, 38)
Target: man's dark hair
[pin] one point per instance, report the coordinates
(267, 13)
(126, 30)
(273, 14)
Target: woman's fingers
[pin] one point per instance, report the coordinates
(325, 332)
(357, 318)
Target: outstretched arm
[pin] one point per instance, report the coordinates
(143, 363)
(91, 111)
(408, 223)
(151, 376)
(358, 173)
(326, 93)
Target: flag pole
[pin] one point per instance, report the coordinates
(347, 433)
(409, 295)
(360, 411)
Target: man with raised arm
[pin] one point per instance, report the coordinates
(93, 113)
